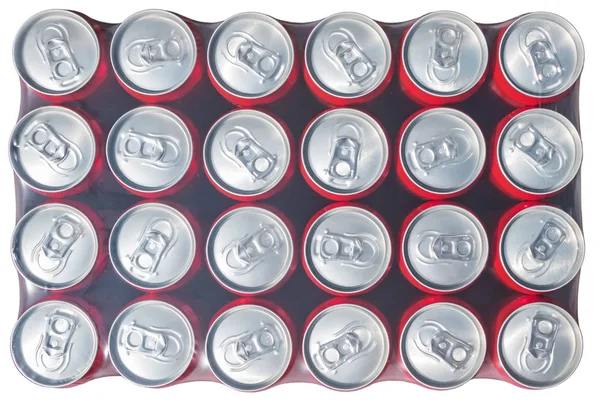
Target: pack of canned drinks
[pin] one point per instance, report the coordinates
(258, 202)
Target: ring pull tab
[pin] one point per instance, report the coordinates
(537, 354)
(242, 350)
(435, 341)
(243, 51)
(541, 54)
(54, 45)
(156, 150)
(444, 65)
(353, 341)
(437, 248)
(537, 257)
(53, 352)
(244, 254)
(359, 251)
(242, 148)
(154, 243)
(341, 47)
(144, 55)
(345, 151)
(157, 343)
(546, 157)
(452, 148)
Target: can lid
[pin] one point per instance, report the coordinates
(539, 151)
(457, 56)
(550, 54)
(54, 344)
(346, 347)
(345, 151)
(542, 248)
(445, 248)
(443, 345)
(348, 55)
(152, 246)
(149, 149)
(250, 55)
(52, 149)
(247, 152)
(151, 343)
(56, 52)
(540, 345)
(442, 150)
(54, 246)
(249, 347)
(348, 249)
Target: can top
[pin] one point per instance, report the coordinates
(151, 343)
(443, 345)
(54, 344)
(541, 54)
(152, 246)
(56, 52)
(348, 55)
(345, 151)
(346, 347)
(540, 345)
(457, 56)
(247, 152)
(54, 246)
(348, 249)
(539, 151)
(250, 55)
(442, 150)
(153, 52)
(52, 149)
(149, 149)
(249, 347)
(542, 248)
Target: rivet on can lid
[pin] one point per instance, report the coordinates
(54, 246)
(56, 52)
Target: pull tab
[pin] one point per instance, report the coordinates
(247, 53)
(453, 148)
(145, 55)
(444, 67)
(160, 151)
(538, 49)
(537, 257)
(242, 350)
(350, 343)
(435, 247)
(341, 47)
(345, 152)
(537, 353)
(54, 45)
(435, 341)
(355, 250)
(53, 352)
(155, 242)
(160, 344)
(546, 157)
(244, 254)
(240, 146)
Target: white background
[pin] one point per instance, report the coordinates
(581, 14)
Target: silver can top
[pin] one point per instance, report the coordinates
(54, 246)
(445, 248)
(250, 55)
(247, 152)
(457, 53)
(54, 344)
(56, 52)
(249, 347)
(346, 347)
(52, 149)
(250, 250)
(152, 246)
(345, 151)
(149, 149)
(539, 151)
(151, 343)
(540, 345)
(442, 150)
(443, 345)
(153, 52)
(348, 249)
(348, 55)
(542, 248)
(541, 54)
